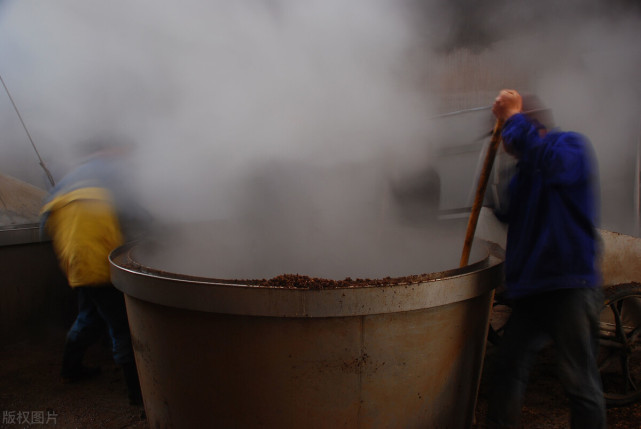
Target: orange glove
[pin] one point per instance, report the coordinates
(507, 104)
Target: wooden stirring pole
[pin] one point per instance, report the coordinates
(480, 191)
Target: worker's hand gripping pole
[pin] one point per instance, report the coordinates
(480, 191)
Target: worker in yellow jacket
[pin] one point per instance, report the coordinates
(81, 217)
(84, 228)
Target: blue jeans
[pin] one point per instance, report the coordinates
(570, 318)
(98, 306)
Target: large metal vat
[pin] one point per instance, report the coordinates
(221, 355)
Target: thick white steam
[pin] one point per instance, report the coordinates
(296, 116)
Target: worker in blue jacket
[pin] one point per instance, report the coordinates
(551, 268)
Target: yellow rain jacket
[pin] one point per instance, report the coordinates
(84, 229)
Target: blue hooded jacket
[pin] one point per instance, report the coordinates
(552, 213)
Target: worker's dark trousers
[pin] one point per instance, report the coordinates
(99, 306)
(568, 317)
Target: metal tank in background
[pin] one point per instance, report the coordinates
(33, 291)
